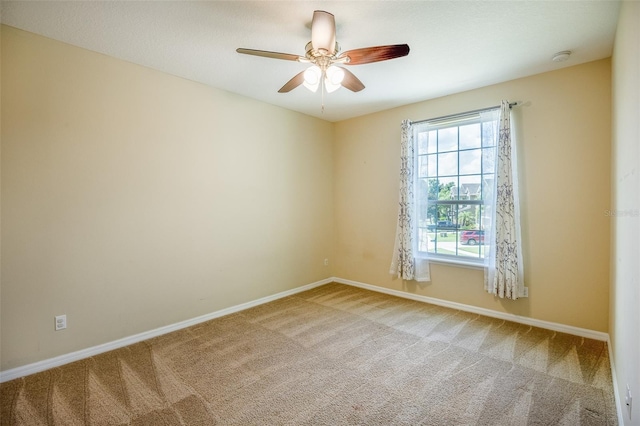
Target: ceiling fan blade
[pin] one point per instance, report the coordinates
(267, 54)
(367, 55)
(323, 32)
(351, 82)
(296, 81)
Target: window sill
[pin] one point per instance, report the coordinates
(456, 262)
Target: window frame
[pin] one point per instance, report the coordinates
(484, 205)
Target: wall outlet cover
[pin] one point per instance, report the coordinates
(61, 322)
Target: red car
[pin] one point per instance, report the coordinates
(472, 237)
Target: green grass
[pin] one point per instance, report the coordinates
(470, 249)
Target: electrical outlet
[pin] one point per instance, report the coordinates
(627, 400)
(326, 262)
(525, 292)
(61, 322)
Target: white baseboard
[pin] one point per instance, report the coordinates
(582, 332)
(46, 364)
(616, 392)
(116, 344)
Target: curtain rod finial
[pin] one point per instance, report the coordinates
(519, 103)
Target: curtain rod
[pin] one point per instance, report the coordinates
(475, 111)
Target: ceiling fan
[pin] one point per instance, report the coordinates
(323, 52)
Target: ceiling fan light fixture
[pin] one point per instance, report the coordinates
(333, 78)
(312, 77)
(330, 88)
(335, 75)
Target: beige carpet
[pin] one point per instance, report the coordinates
(334, 355)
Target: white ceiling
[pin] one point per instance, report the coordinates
(455, 45)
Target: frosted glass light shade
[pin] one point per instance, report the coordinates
(333, 78)
(312, 78)
(335, 75)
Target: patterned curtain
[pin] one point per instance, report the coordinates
(405, 262)
(503, 265)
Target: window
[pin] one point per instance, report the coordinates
(455, 161)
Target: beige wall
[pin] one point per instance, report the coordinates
(132, 199)
(564, 137)
(625, 278)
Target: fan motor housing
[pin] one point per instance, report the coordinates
(313, 54)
